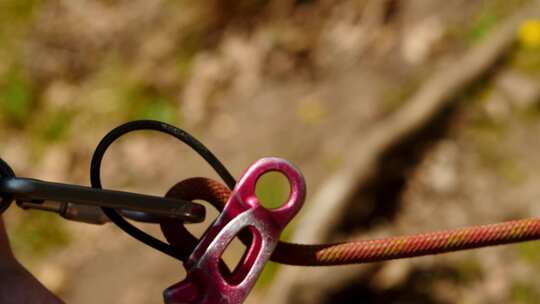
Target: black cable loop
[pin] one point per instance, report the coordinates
(95, 173)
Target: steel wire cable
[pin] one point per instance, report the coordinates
(138, 125)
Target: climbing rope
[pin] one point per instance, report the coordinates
(364, 251)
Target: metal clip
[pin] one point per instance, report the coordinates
(206, 282)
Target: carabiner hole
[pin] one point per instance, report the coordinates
(233, 254)
(272, 189)
(243, 257)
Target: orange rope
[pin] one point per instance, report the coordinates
(365, 251)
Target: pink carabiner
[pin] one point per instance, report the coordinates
(205, 282)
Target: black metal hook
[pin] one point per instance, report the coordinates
(36, 192)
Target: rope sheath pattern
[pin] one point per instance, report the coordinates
(366, 251)
(429, 243)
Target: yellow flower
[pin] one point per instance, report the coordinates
(529, 34)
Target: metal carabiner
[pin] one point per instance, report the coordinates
(206, 282)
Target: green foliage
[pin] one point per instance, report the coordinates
(487, 140)
(14, 18)
(191, 43)
(132, 103)
(483, 24)
(16, 97)
(38, 233)
(134, 99)
(529, 252)
(15, 10)
(490, 15)
(526, 60)
(183, 63)
(148, 106)
(469, 270)
(267, 275)
(524, 293)
(395, 96)
(56, 126)
(272, 189)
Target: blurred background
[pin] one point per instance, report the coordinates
(409, 115)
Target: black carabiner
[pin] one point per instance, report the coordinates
(6, 198)
(38, 191)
